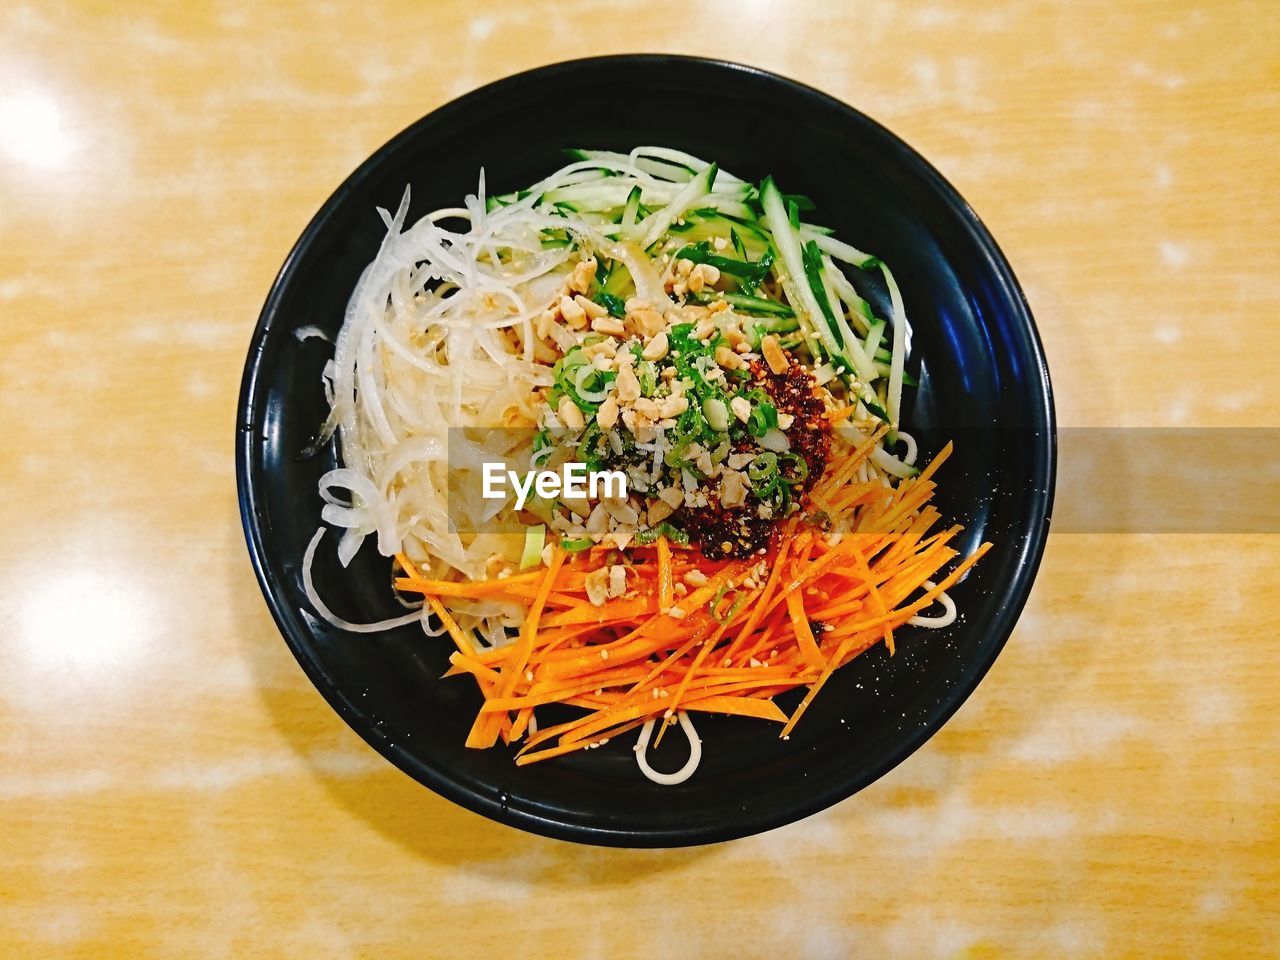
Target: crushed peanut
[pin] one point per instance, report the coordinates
(597, 587)
(733, 489)
(607, 415)
(656, 348)
(617, 580)
(646, 321)
(573, 314)
(609, 325)
(621, 511)
(590, 307)
(658, 511)
(648, 408)
(570, 415)
(774, 355)
(583, 275)
(542, 326)
(728, 359)
(627, 385)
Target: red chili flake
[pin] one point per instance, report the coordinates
(740, 532)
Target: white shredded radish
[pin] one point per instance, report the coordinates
(437, 337)
(308, 558)
(309, 332)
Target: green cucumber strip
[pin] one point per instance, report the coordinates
(850, 346)
(664, 170)
(757, 328)
(746, 304)
(534, 540)
(836, 248)
(616, 306)
(656, 224)
(632, 208)
(800, 201)
(859, 310)
(678, 157)
(751, 272)
(899, 320)
(872, 343)
(813, 275)
(891, 464)
(619, 280)
(884, 371)
(787, 242)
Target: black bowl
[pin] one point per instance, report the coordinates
(983, 382)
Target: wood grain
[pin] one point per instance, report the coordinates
(171, 784)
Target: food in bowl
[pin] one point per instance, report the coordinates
(710, 367)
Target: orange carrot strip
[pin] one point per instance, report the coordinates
(484, 732)
(520, 724)
(928, 598)
(408, 567)
(526, 758)
(666, 582)
(618, 610)
(813, 690)
(876, 600)
(804, 633)
(590, 726)
(762, 605)
(551, 694)
(674, 701)
(937, 461)
(760, 708)
(461, 640)
(452, 588)
(546, 638)
(631, 694)
(465, 664)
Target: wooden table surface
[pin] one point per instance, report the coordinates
(172, 785)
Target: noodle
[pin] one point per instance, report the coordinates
(650, 315)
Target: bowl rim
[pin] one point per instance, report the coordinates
(494, 807)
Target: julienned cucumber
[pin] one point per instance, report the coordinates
(787, 242)
(736, 226)
(691, 194)
(746, 304)
(804, 281)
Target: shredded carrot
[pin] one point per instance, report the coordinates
(651, 652)
(463, 641)
(804, 632)
(666, 583)
(408, 566)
